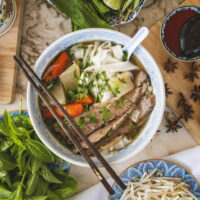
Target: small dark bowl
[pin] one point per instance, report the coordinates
(163, 39)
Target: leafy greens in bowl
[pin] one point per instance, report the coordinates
(98, 13)
(28, 170)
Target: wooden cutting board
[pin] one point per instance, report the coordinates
(9, 46)
(176, 81)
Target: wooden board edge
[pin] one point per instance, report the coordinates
(17, 50)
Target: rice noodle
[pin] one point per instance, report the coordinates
(101, 57)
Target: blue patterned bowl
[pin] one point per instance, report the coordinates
(115, 18)
(166, 169)
(145, 58)
(64, 166)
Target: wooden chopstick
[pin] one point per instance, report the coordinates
(66, 129)
(19, 61)
(75, 127)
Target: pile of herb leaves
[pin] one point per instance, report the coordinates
(93, 13)
(24, 160)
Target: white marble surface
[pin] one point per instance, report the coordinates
(42, 25)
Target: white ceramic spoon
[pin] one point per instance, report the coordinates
(136, 40)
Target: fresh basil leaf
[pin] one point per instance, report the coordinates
(32, 183)
(22, 121)
(14, 151)
(36, 198)
(5, 178)
(69, 187)
(2, 174)
(7, 162)
(3, 129)
(42, 188)
(18, 193)
(48, 175)
(21, 159)
(53, 196)
(4, 193)
(13, 128)
(35, 165)
(4, 145)
(39, 151)
(12, 131)
(81, 13)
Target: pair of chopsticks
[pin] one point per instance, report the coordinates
(41, 90)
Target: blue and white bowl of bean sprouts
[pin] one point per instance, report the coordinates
(129, 11)
(117, 103)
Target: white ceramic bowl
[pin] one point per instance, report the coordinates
(145, 58)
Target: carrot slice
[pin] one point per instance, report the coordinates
(72, 110)
(58, 67)
(85, 100)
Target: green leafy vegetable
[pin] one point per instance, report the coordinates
(24, 172)
(100, 7)
(39, 151)
(81, 12)
(4, 193)
(48, 176)
(32, 183)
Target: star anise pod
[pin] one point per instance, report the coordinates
(187, 109)
(193, 72)
(167, 90)
(172, 126)
(182, 100)
(187, 114)
(170, 66)
(196, 93)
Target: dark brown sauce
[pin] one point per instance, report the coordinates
(190, 37)
(182, 33)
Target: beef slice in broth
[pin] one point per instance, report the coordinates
(131, 99)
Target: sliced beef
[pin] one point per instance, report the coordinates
(115, 136)
(131, 98)
(102, 132)
(145, 107)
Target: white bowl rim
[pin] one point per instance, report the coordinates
(143, 145)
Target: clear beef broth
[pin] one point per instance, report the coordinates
(109, 98)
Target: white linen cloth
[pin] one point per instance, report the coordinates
(190, 159)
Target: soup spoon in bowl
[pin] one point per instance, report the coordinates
(135, 41)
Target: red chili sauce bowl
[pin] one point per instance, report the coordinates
(180, 33)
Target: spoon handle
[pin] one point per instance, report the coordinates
(136, 40)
